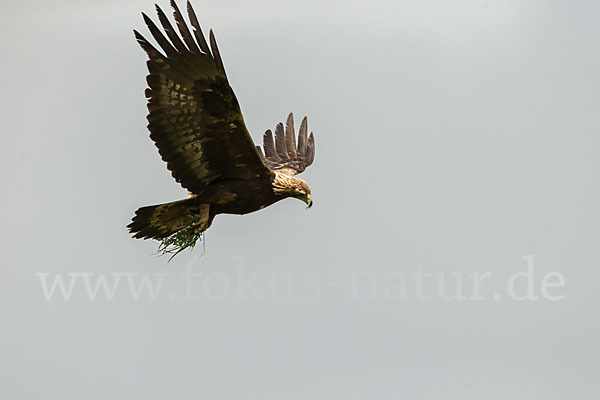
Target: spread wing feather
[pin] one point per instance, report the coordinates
(269, 145)
(290, 136)
(280, 142)
(302, 136)
(282, 154)
(194, 117)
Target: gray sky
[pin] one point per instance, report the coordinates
(453, 138)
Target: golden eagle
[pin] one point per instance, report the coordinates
(196, 122)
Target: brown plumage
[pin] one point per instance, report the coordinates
(197, 125)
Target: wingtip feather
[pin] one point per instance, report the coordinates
(302, 133)
(290, 136)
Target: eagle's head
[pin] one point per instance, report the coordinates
(290, 186)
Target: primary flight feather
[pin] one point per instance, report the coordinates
(197, 125)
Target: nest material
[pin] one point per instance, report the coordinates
(179, 241)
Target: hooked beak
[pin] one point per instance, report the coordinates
(309, 201)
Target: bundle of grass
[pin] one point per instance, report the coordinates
(182, 239)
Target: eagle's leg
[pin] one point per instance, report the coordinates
(203, 221)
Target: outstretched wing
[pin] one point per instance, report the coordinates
(282, 154)
(195, 119)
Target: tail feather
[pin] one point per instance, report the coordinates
(162, 220)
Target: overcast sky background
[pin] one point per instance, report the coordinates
(459, 136)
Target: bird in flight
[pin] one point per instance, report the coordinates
(196, 123)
